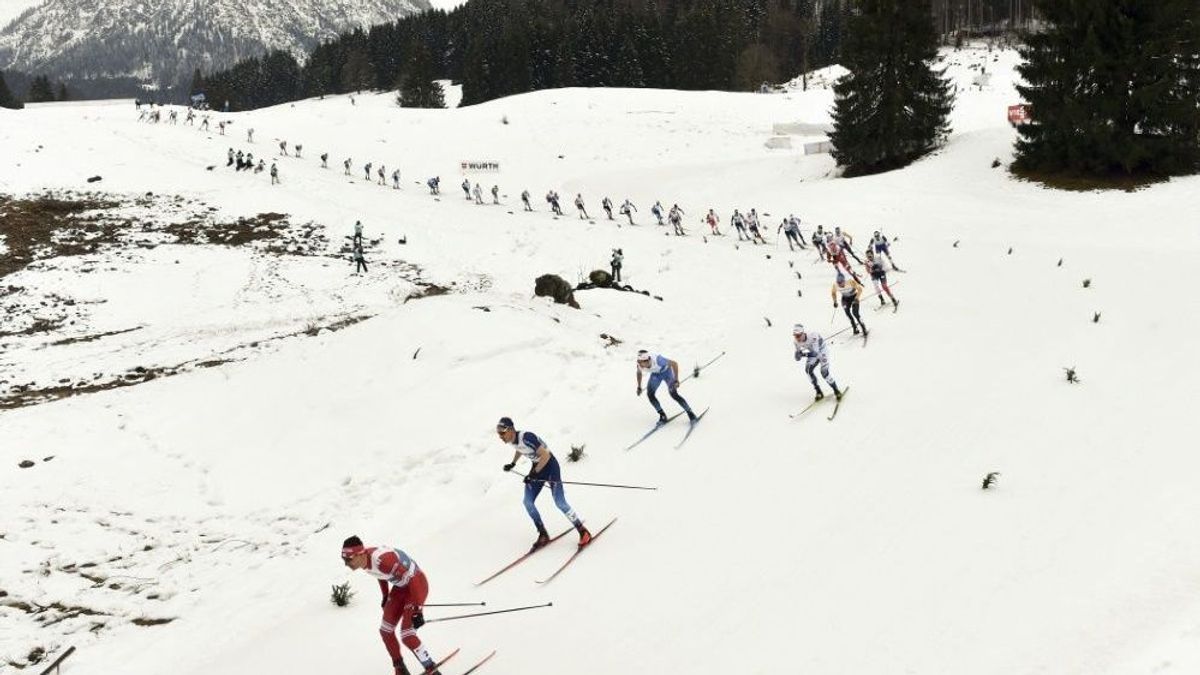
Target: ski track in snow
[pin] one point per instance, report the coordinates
(217, 498)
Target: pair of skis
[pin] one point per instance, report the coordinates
(837, 406)
(472, 669)
(523, 558)
(659, 425)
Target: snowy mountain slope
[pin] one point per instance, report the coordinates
(861, 545)
(11, 9)
(163, 41)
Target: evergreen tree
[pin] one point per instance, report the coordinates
(197, 83)
(40, 90)
(63, 93)
(417, 88)
(892, 107)
(1113, 87)
(7, 100)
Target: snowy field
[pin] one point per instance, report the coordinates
(192, 522)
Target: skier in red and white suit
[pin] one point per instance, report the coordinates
(404, 589)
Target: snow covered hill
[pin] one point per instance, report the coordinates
(193, 519)
(163, 41)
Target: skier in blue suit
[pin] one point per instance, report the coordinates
(660, 369)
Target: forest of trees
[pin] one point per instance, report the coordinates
(500, 47)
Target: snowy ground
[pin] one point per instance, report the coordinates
(217, 498)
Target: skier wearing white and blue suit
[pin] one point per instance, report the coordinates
(545, 471)
(660, 369)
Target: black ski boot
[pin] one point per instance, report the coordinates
(542, 540)
(837, 393)
(662, 418)
(821, 394)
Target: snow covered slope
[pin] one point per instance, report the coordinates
(11, 9)
(217, 498)
(164, 41)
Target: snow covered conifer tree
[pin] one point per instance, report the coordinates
(892, 107)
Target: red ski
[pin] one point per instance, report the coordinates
(577, 552)
(479, 665)
(525, 557)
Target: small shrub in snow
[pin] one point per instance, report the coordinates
(576, 453)
(1087, 283)
(1071, 377)
(990, 479)
(341, 594)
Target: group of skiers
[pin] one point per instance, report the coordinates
(244, 161)
(402, 583)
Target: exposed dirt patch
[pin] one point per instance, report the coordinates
(33, 393)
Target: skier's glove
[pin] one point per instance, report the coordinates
(509, 466)
(418, 620)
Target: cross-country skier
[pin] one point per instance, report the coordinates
(325, 160)
(204, 123)
(676, 219)
(296, 148)
(583, 214)
(656, 211)
(712, 219)
(525, 200)
(478, 191)
(404, 589)
(627, 210)
(878, 272)
(434, 184)
(818, 240)
(230, 162)
(367, 172)
(360, 263)
(752, 226)
(606, 204)
(381, 172)
(739, 225)
(261, 165)
(845, 242)
(544, 472)
(396, 179)
(495, 194)
(618, 259)
(791, 227)
(810, 346)
(660, 369)
(554, 203)
(466, 188)
(274, 174)
(283, 148)
(880, 243)
(220, 126)
(850, 292)
(346, 166)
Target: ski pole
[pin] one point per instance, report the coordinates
(692, 374)
(499, 611)
(455, 604)
(572, 482)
